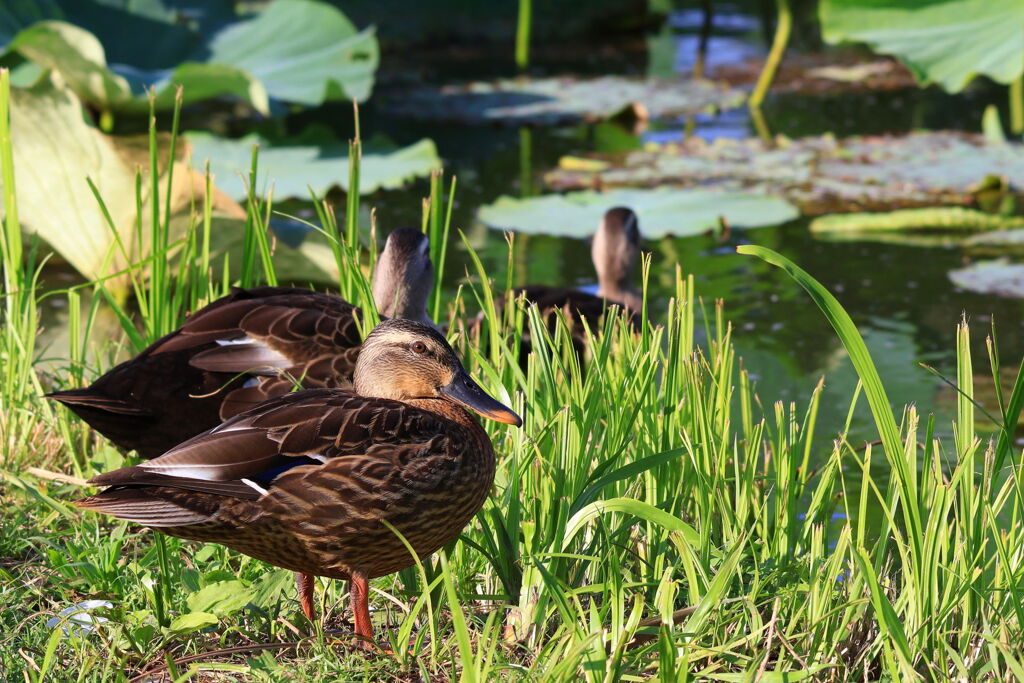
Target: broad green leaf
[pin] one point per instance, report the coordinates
(293, 167)
(268, 589)
(221, 598)
(940, 219)
(80, 58)
(947, 42)
(193, 621)
(665, 211)
(55, 150)
(302, 51)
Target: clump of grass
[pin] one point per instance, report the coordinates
(654, 518)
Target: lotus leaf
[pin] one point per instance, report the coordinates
(57, 151)
(293, 167)
(942, 41)
(820, 174)
(302, 51)
(661, 212)
(563, 100)
(999, 278)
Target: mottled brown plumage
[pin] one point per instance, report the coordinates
(243, 349)
(307, 480)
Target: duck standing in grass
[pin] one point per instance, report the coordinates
(244, 348)
(310, 481)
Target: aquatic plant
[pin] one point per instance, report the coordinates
(298, 51)
(656, 517)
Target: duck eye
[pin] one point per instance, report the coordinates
(418, 347)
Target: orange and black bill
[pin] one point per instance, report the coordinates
(467, 392)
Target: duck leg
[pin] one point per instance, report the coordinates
(360, 592)
(305, 583)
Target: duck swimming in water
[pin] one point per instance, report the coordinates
(614, 250)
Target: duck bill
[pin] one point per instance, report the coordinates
(464, 390)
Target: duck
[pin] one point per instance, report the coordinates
(614, 250)
(244, 348)
(317, 481)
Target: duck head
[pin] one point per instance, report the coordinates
(404, 276)
(615, 249)
(405, 359)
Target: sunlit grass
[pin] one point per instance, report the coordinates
(654, 518)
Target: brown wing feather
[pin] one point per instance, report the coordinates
(186, 382)
(424, 468)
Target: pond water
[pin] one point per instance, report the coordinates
(900, 297)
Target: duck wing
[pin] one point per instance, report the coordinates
(264, 330)
(299, 450)
(229, 356)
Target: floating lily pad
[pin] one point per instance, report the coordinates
(301, 51)
(56, 151)
(819, 174)
(661, 212)
(999, 278)
(563, 100)
(293, 167)
(942, 41)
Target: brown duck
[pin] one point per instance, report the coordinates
(245, 348)
(307, 480)
(614, 250)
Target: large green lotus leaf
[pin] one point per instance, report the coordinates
(942, 41)
(302, 51)
(562, 100)
(820, 174)
(294, 168)
(154, 34)
(79, 57)
(999, 278)
(661, 212)
(55, 149)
